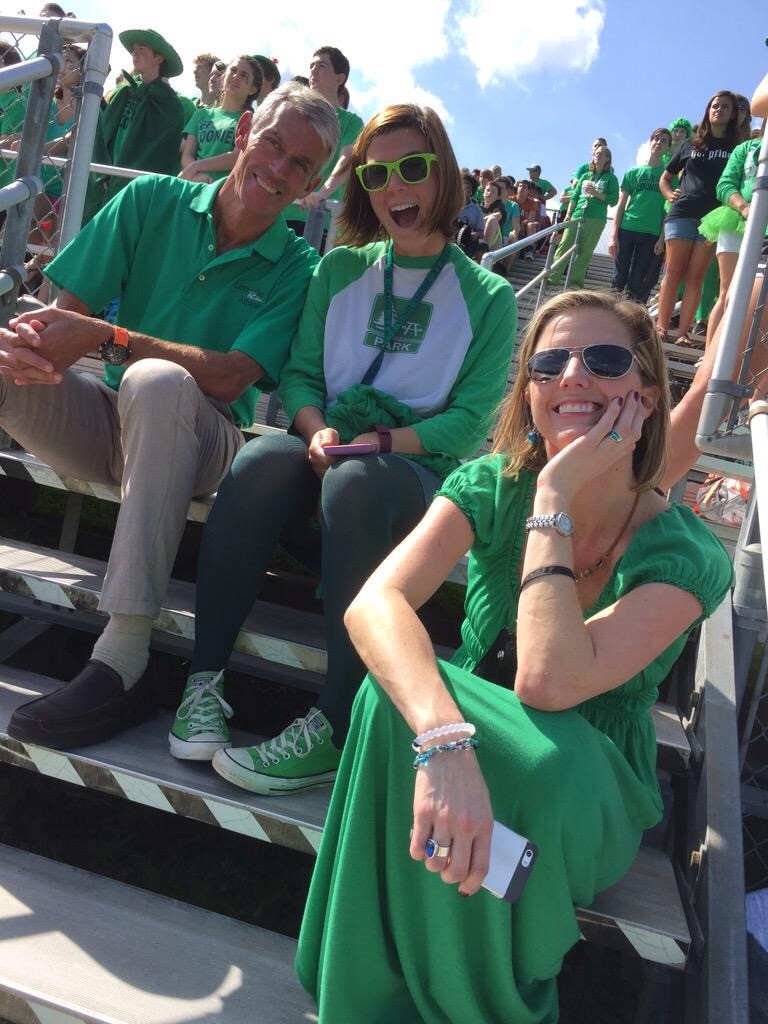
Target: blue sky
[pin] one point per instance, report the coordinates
(516, 83)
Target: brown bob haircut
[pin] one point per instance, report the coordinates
(358, 224)
(650, 455)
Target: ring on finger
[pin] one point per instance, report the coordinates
(615, 436)
(434, 849)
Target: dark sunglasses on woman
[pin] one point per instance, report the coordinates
(606, 361)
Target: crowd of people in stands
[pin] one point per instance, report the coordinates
(391, 355)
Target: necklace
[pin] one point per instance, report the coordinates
(603, 559)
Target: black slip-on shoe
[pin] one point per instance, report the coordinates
(91, 708)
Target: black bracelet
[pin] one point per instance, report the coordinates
(548, 570)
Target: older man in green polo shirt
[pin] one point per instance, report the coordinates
(211, 284)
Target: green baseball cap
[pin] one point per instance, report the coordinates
(172, 64)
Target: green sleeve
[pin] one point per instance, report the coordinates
(303, 379)
(732, 177)
(190, 128)
(628, 181)
(187, 106)
(472, 404)
(612, 190)
(96, 263)
(268, 338)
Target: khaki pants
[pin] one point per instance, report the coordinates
(158, 437)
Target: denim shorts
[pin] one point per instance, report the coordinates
(686, 228)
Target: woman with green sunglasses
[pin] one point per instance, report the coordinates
(403, 352)
(583, 586)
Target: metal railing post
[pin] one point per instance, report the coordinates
(547, 268)
(721, 390)
(314, 226)
(574, 250)
(28, 164)
(81, 147)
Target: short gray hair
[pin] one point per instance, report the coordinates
(307, 102)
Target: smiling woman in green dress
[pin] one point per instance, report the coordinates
(575, 553)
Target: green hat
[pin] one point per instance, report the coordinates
(171, 66)
(682, 122)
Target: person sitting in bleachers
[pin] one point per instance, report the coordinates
(211, 284)
(530, 208)
(203, 65)
(403, 348)
(211, 132)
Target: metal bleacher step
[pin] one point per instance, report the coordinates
(271, 633)
(645, 905)
(18, 464)
(77, 948)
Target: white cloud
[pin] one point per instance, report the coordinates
(508, 40)
(386, 45)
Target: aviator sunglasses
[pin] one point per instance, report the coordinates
(411, 169)
(607, 361)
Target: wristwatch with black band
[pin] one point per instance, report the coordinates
(116, 350)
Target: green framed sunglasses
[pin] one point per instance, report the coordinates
(411, 169)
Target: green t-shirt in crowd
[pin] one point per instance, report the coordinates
(513, 210)
(214, 130)
(589, 207)
(645, 210)
(154, 246)
(544, 185)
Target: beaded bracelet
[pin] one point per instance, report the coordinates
(442, 730)
(467, 743)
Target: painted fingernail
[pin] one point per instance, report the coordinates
(620, 401)
(465, 894)
(636, 395)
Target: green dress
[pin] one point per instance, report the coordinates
(384, 940)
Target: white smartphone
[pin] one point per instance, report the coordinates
(511, 862)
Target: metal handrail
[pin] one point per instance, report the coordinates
(490, 258)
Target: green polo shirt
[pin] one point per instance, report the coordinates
(154, 246)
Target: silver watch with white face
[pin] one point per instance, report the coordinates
(559, 521)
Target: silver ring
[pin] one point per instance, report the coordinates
(615, 436)
(434, 849)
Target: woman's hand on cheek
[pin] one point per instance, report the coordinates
(613, 437)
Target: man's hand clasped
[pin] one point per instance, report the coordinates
(38, 347)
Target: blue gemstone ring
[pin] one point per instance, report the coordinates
(433, 849)
(615, 436)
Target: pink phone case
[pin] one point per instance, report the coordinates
(350, 449)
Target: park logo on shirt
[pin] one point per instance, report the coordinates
(409, 336)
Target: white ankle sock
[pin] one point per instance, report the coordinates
(124, 646)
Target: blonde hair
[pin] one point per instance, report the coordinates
(650, 455)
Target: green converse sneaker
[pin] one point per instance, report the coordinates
(303, 755)
(200, 727)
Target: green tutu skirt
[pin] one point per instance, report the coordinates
(724, 218)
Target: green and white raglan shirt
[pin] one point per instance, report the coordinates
(448, 362)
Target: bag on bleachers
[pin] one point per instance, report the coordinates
(722, 499)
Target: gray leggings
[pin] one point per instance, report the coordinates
(367, 505)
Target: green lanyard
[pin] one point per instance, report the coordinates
(391, 330)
